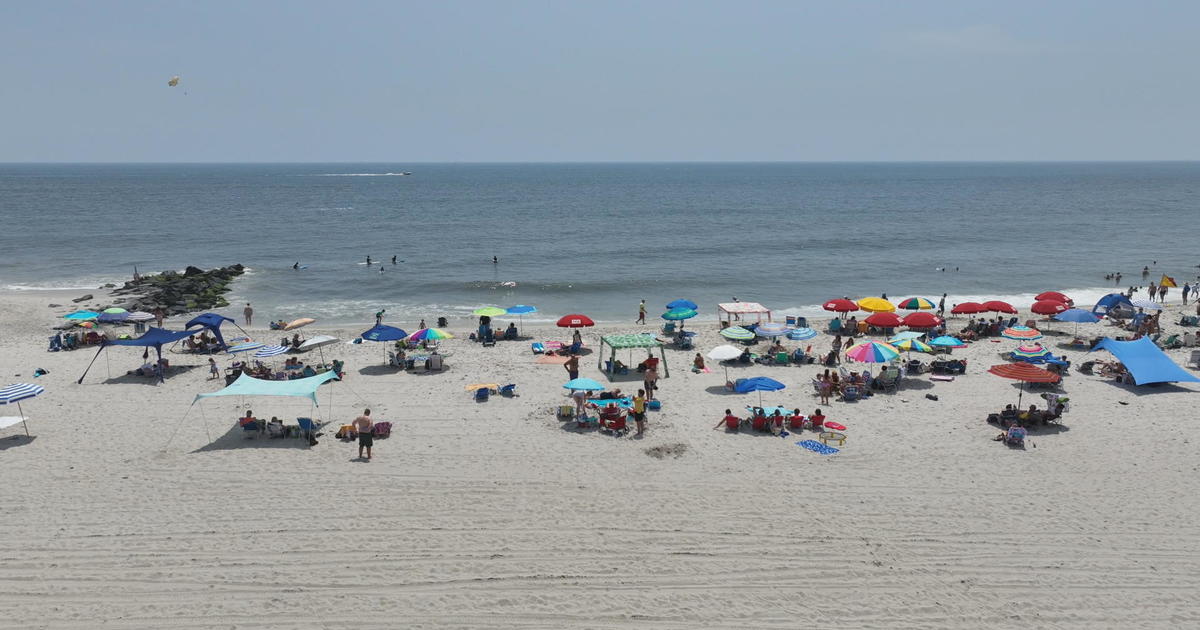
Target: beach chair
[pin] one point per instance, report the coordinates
(575, 348)
(668, 328)
(790, 320)
(608, 367)
(489, 337)
(381, 429)
(308, 428)
(835, 326)
(275, 429)
(851, 393)
(1194, 361)
(508, 391)
(615, 424)
(887, 381)
(781, 358)
(482, 394)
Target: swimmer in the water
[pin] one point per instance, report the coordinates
(495, 260)
(368, 260)
(393, 260)
(297, 265)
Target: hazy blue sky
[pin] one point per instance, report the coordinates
(601, 80)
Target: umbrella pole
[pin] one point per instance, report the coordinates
(22, 412)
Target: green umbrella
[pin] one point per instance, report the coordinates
(489, 311)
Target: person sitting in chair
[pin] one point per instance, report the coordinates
(698, 363)
(730, 422)
(511, 331)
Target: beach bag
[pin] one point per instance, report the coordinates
(654, 405)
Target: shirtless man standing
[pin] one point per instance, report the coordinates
(366, 435)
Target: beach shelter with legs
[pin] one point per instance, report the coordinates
(735, 311)
(629, 342)
(247, 385)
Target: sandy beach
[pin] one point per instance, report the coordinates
(120, 512)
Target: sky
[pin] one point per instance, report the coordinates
(561, 80)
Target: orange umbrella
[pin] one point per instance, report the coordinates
(299, 323)
(1025, 373)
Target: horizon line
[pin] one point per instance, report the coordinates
(546, 162)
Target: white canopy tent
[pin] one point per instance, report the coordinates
(733, 311)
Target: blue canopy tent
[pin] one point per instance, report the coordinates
(1113, 302)
(154, 338)
(213, 321)
(1146, 362)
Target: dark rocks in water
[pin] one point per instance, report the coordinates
(54, 305)
(108, 285)
(177, 293)
(82, 298)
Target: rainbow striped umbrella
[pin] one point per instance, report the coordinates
(913, 344)
(917, 304)
(1021, 333)
(1030, 351)
(430, 334)
(244, 347)
(873, 352)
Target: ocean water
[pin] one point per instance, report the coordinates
(596, 238)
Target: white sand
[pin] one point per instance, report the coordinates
(118, 515)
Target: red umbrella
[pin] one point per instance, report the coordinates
(967, 308)
(922, 319)
(884, 320)
(1048, 307)
(1055, 296)
(575, 321)
(840, 305)
(998, 306)
(1025, 373)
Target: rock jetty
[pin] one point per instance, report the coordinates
(193, 290)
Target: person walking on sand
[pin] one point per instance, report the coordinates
(213, 371)
(942, 306)
(572, 367)
(641, 313)
(379, 316)
(366, 433)
(1162, 293)
(650, 381)
(159, 315)
(248, 312)
(1187, 288)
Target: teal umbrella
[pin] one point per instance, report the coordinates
(583, 384)
(82, 315)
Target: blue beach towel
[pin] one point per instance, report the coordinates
(817, 447)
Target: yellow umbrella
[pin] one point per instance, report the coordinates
(492, 386)
(876, 305)
(299, 323)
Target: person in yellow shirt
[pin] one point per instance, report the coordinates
(639, 411)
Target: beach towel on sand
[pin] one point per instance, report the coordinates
(817, 447)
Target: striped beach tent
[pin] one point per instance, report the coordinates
(17, 392)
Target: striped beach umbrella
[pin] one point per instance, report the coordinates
(1148, 305)
(140, 316)
(17, 392)
(737, 333)
(1021, 333)
(801, 334)
(771, 329)
(270, 351)
(115, 310)
(905, 334)
(909, 345)
(917, 304)
(873, 352)
(876, 305)
(244, 347)
(1030, 351)
(430, 334)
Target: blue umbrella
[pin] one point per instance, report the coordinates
(758, 384)
(681, 303)
(584, 384)
(800, 334)
(17, 392)
(1077, 315)
(384, 333)
(521, 310)
(771, 329)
